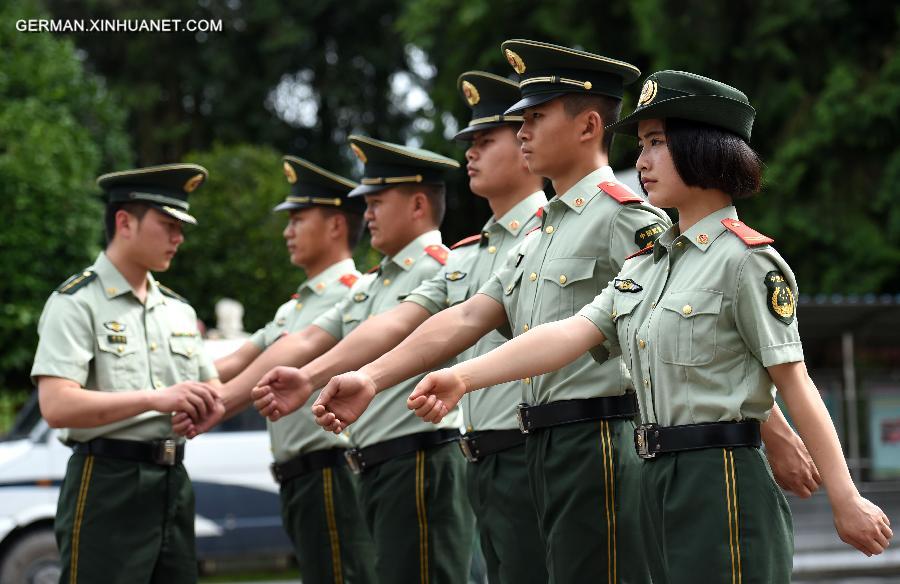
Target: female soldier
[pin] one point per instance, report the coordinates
(705, 321)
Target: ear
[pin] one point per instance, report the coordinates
(420, 207)
(591, 126)
(125, 224)
(337, 226)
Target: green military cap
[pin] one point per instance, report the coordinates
(488, 96)
(387, 165)
(677, 94)
(549, 71)
(165, 187)
(313, 186)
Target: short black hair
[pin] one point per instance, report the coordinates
(109, 219)
(710, 157)
(609, 109)
(355, 224)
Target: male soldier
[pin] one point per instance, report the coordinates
(497, 479)
(411, 475)
(579, 450)
(319, 495)
(118, 353)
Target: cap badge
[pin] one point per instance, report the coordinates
(192, 183)
(359, 153)
(471, 93)
(290, 173)
(648, 92)
(515, 61)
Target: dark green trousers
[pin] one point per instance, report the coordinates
(321, 514)
(416, 509)
(506, 518)
(585, 480)
(125, 522)
(716, 516)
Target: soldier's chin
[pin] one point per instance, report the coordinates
(161, 265)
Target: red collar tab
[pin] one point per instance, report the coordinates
(644, 251)
(467, 241)
(749, 236)
(619, 192)
(348, 280)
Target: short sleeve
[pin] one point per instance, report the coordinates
(633, 227)
(66, 340)
(207, 368)
(494, 286)
(765, 308)
(332, 321)
(259, 337)
(431, 294)
(600, 313)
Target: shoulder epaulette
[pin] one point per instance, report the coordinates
(619, 192)
(172, 293)
(348, 280)
(644, 251)
(438, 252)
(373, 269)
(295, 296)
(749, 236)
(467, 241)
(77, 282)
(539, 213)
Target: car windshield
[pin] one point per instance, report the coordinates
(25, 421)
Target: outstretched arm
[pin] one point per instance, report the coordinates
(859, 522)
(545, 348)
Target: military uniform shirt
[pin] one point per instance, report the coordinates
(103, 338)
(387, 416)
(583, 241)
(467, 269)
(298, 433)
(698, 320)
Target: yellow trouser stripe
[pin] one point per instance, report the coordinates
(328, 487)
(737, 525)
(79, 515)
(423, 518)
(733, 524)
(606, 503)
(612, 500)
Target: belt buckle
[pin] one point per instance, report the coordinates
(522, 417)
(354, 460)
(465, 446)
(164, 453)
(642, 441)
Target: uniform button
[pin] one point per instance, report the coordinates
(653, 305)
(152, 346)
(641, 343)
(189, 352)
(527, 381)
(299, 306)
(157, 383)
(613, 314)
(646, 383)
(120, 349)
(513, 225)
(687, 309)
(549, 229)
(387, 281)
(469, 428)
(508, 289)
(532, 276)
(492, 249)
(525, 327)
(679, 243)
(579, 202)
(563, 279)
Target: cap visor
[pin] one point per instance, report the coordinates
(468, 134)
(367, 190)
(182, 216)
(721, 112)
(290, 206)
(531, 101)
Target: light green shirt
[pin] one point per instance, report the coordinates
(105, 339)
(467, 269)
(387, 416)
(583, 241)
(698, 320)
(298, 433)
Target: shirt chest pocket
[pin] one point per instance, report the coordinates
(687, 326)
(185, 352)
(457, 291)
(568, 286)
(119, 363)
(355, 313)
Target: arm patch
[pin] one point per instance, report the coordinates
(647, 235)
(779, 297)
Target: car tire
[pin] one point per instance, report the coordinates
(32, 559)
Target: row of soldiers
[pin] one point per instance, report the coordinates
(546, 468)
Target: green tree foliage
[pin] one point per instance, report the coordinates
(59, 129)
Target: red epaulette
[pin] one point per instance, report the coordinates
(647, 249)
(619, 192)
(749, 236)
(467, 241)
(438, 252)
(373, 269)
(295, 296)
(348, 280)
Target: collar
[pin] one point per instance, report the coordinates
(515, 219)
(415, 249)
(114, 283)
(329, 276)
(701, 234)
(584, 191)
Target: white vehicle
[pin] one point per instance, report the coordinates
(238, 517)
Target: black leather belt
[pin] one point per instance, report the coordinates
(476, 445)
(650, 439)
(575, 410)
(362, 459)
(161, 452)
(282, 472)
